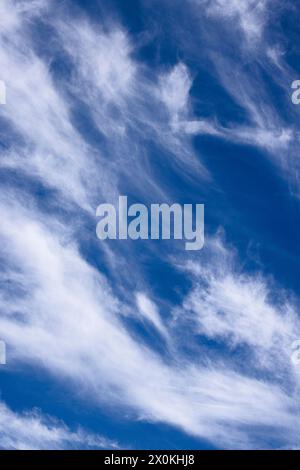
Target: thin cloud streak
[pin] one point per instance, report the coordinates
(33, 431)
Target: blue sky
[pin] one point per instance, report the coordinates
(141, 344)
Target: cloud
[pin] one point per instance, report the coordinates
(149, 311)
(174, 89)
(102, 59)
(64, 318)
(249, 15)
(46, 433)
(266, 130)
(249, 73)
(237, 308)
(59, 312)
(105, 86)
(45, 143)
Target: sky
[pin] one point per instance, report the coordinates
(123, 344)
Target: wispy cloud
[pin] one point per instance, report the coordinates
(34, 431)
(230, 306)
(249, 16)
(148, 310)
(59, 311)
(240, 68)
(66, 320)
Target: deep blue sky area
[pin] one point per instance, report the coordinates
(143, 344)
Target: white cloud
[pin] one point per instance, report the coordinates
(62, 315)
(122, 99)
(249, 15)
(265, 131)
(64, 318)
(37, 113)
(149, 311)
(103, 61)
(174, 90)
(242, 75)
(235, 308)
(33, 431)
